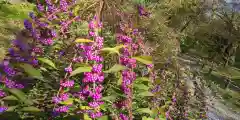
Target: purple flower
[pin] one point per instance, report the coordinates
(99, 88)
(150, 66)
(63, 5)
(91, 25)
(156, 89)
(100, 25)
(37, 50)
(68, 69)
(93, 104)
(96, 96)
(28, 25)
(135, 31)
(62, 97)
(9, 71)
(47, 41)
(53, 33)
(124, 39)
(56, 100)
(19, 86)
(11, 51)
(123, 117)
(95, 115)
(64, 24)
(174, 99)
(34, 61)
(97, 68)
(167, 114)
(61, 109)
(51, 8)
(48, 2)
(31, 14)
(9, 83)
(40, 7)
(134, 46)
(92, 33)
(68, 83)
(2, 93)
(3, 108)
(5, 63)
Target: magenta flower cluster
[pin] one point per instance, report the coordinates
(93, 80)
(128, 75)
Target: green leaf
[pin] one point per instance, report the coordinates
(85, 108)
(110, 98)
(144, 59)
(142, 79)
(30, 109)
(103, 107)
(11, 97)
(146, 94)
(11, 108)
(80, 40)
(141, 86)
(103, 118)
(119, 82)
(69, 101)
(86, 117)
(146, 118)
(21, 96)
(144, 110)
(31, 71)
(116, 68)
(113, 50)
(43, 69)
(81, 70)
(47, 61)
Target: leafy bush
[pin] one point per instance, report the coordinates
(59, 67)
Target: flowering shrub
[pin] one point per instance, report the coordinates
(50, 70)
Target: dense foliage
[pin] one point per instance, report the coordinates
(115, 60)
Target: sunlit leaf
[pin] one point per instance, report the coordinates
(113, 50)
(110, 98)
(2, 54)
(116, 68)
(76, 10)
(144, 59)
(21, 96)
(10, 97)
(146, 94)
(11, 108)
(31, 71)
(30, 109)
(43, 69)
(141, 86)
(103, 118)
(146, 118)
(144, 110)
(86, 117)
(81, 40)
(68, 101)
(85, 108)
(103, 107)
(81, 70)
(142, 79)
(47, 61)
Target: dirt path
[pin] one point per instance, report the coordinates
(216, 109)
